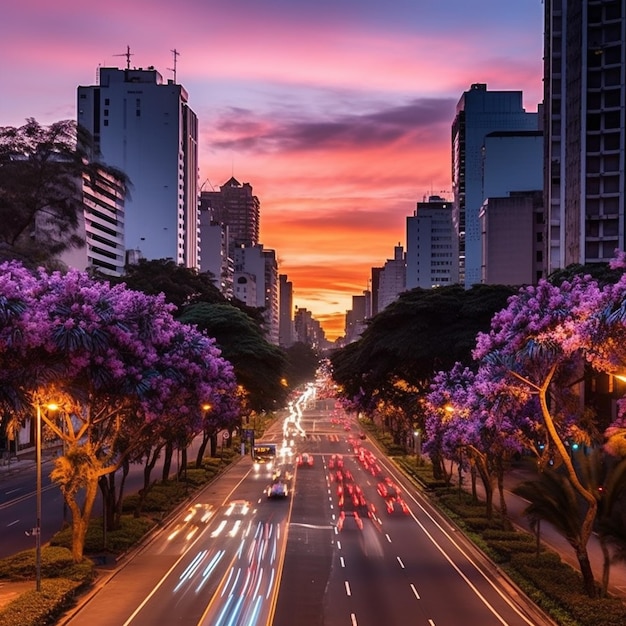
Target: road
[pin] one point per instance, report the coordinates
(18, 505)
(258, 561)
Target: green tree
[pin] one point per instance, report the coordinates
(422, 332)
(260, 367)
(302, 364)
(41, 200)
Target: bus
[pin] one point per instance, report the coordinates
(263, 455)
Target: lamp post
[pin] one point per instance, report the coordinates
(417, 433)
(38, 495)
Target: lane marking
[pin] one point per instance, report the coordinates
(348, 592)
(414, 590)
(400, 561)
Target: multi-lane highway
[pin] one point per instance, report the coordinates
(352, 544)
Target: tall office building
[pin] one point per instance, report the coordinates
(432, 258)
(235, 204)
(478, 113)
(144, 127)
(585, 129)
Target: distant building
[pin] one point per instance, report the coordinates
(245, 289)
(512, 234)
(355, 318)
(308, 330)
(375, 283)
(262, 264)
(286, 329)
(478, 113)
(392, 278)
(214, 256)
(431, 245)
(145, 127)
(101, 226)
(235, 205)
(585, 130)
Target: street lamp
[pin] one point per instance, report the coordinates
(52, 407)
(417, 434)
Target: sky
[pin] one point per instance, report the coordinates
(337, 112)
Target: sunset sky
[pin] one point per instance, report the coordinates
(337, 112)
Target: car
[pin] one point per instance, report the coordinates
(304, 460)
(396, 505)
(277, 490)
(353, 514)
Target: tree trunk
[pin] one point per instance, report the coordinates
(81, 517)
(120, 495)
(606, 566)
(500, 478)
(167, 462)
(107, 489)
(151, 460)
(589, 583)
(202, 449)
(213, 440)
(182, 471)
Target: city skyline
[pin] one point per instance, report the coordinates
(337, 114)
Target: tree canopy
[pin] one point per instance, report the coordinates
(41, 199)
(260, 367)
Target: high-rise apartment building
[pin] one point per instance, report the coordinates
(261, 266)
(392, 278)
(432, 258)
(144, 126)
(478, 113)
(285, 312)
(235, 204)
(585, 129)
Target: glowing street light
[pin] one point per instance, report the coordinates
(51, 407)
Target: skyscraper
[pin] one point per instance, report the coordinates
(235, 205)
(431, 247)
(144, 127)
(478, 113)
(585, 130)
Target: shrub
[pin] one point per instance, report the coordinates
(56, 562)
(35, 608)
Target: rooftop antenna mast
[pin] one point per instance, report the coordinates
(126, 54)
(176, 55)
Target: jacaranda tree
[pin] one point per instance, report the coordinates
(112, 359)
(537, 347)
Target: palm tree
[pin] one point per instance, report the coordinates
(553, 498)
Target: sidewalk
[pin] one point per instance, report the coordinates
(549, 536)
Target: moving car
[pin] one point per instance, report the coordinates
(304, 460)
(277, 490)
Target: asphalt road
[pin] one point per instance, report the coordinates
(255, 561)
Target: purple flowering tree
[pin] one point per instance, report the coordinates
(471, 422)
(106, 355)
(537, 347)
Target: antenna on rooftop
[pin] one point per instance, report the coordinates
(126, 54)
(176, 55)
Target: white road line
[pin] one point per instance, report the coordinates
(339, 545)
(400, 561)
(388, 537)
(414, 590)
(343, 563)
(12, 523)
(353, 619)
(431, 622)
(348, 592)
